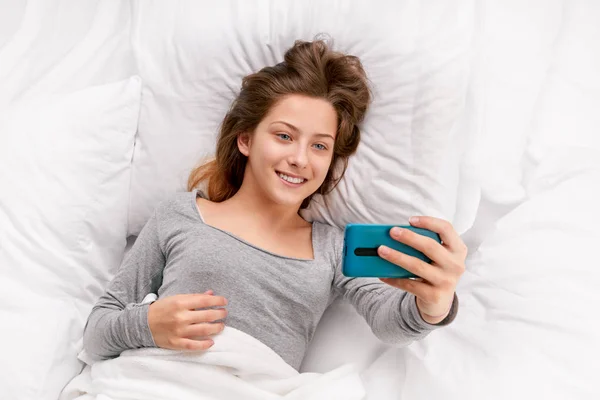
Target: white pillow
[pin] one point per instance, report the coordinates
(64, 182)
(59, 46)
(192, 58)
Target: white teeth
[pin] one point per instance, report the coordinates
(290, 179)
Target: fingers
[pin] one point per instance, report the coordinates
(191, 344)
(424, 244)
(202, 330)
(420, 289)
(196, 317)
(449, 236)
(411, 264)
(194, 301)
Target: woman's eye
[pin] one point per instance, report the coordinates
(319, 146)
(284, 136)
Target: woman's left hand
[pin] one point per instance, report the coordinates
(435, 290)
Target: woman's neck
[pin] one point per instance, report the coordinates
(261, 211)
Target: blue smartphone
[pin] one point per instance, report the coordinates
(360, 257)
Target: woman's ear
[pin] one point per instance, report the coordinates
(243, 143)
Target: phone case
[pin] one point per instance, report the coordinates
(360, 257)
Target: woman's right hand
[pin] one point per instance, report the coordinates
(176, 324)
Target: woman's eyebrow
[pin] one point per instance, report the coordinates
(325, 135)
(295, 129)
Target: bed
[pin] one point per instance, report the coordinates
(485, 113)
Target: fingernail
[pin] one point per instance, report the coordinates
(396, 231)
(413, 220)
(384, 250)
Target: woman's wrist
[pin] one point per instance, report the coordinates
(433, 319)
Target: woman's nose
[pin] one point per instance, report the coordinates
(299, 158)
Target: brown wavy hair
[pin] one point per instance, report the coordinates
(311, 69)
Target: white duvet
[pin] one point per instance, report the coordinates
(237, 366)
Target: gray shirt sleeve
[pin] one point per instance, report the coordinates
(119, 321)
(391, 313)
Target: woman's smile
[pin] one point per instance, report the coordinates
(290, 180)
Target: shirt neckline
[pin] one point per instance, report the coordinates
(198, 214)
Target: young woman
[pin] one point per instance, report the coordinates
(238, 252)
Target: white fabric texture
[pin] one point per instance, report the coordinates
(192, 58)
(534, 75)
(237, 366)
(514, 47)
(59, 46)
(68, 117)
(37, 340)
(63, 228)
(55, 229)
(566, 114)
(527, 327)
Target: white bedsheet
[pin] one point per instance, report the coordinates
(237, 366)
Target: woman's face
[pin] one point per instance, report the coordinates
(291, 149)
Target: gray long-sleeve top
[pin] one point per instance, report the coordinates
(278, 300)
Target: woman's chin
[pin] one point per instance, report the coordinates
(289, 196)
(289, 199)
